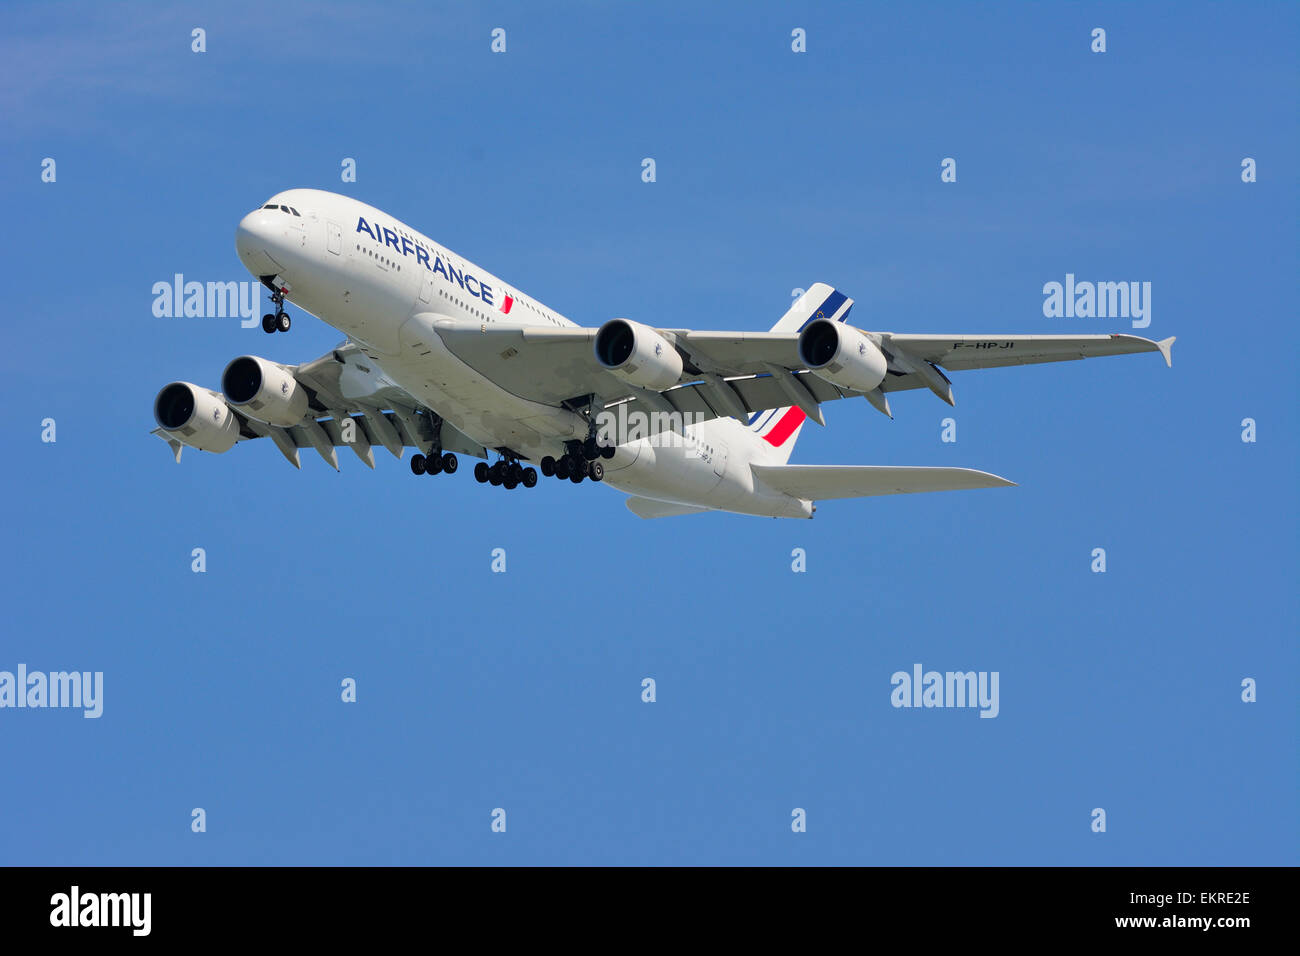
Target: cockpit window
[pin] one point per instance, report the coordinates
(295, 212)
(270, 205)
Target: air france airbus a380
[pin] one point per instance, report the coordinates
(447, 358)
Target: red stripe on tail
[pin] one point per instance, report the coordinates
(783, 429)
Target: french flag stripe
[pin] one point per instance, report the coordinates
(783, 429)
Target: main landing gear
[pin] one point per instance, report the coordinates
(506, 473)
(434, 464)
(582, 460)
(279, 320)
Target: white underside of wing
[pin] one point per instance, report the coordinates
(823, 482)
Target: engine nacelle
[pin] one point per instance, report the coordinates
(842, 355)
(638, 354)
(194, 416)
(264, 390)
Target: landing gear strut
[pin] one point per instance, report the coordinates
(277, 321)
(436, 462)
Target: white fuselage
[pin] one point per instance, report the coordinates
(385, 284)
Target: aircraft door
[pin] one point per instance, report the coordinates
(719, 461)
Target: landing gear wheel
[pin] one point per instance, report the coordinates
(494, 474)
(548, 466)
(481, 472)
(596, 471)
(268, 323)
(449, 463)
(589, 449)
(562, 467)
(282, 322)
(417, 464)
(515, 473)
(607, 452)
(511, 481)
(433, 465)
(576, 477)
(530, 477)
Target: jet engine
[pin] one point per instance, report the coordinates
(842, 355)
(198, 417)
(638, 354)
(264, 390)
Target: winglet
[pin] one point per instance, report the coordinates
(1166, 347)
(172, 443)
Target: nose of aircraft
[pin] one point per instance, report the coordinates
(256, 233)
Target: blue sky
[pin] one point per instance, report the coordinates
(522, 690)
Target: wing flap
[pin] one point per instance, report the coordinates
(756, 392)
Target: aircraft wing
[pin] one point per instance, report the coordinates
(343, 386)
(960, 352)
(325, 435)
(741, 373)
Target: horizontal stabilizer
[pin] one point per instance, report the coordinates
(650, 508)
(823, 482)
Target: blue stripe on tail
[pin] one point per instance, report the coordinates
(827, 309)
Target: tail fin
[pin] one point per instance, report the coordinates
(819, 302)
(780, 427)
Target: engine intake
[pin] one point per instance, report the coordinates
(842, 355)
(264, 390)
(638, 354)
(196, 416)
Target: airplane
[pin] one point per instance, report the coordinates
(444, 357)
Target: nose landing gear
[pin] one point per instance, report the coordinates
(277, 321)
